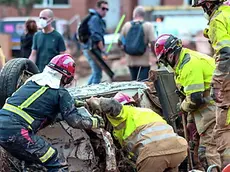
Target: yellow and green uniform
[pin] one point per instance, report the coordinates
(144, 133)
(194, 72)
(219, 36)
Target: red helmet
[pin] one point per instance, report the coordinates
(167, 48)
(123, 98)
(65, 65)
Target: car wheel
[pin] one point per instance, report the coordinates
(13, 74)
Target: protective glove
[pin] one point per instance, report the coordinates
(79, 103)
(94, 105)
(98, 121)
(215, 94)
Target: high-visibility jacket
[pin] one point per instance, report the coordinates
(219, 36)
(145, 133)
(194, 71)
(34, 107)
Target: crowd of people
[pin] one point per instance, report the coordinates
(151, 143)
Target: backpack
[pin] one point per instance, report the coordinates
(135, 40)
(83, 30)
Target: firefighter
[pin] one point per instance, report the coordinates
(218, 33)
(193, 71)
(34, 106)
(144, 134)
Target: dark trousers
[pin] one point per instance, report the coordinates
(25, 145)
(139, 73)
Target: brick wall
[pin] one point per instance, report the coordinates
(172, 2)
(127, 7)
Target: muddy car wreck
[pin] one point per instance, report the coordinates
(96, 150)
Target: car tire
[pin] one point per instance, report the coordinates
(9, 76)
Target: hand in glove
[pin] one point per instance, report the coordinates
(94, 104)
(215, 94)
(79, 103)
(98, 121)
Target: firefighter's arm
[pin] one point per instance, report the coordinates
(193, 82)
(77, 117)
(192, 102)
(104, 105)
(220, 40)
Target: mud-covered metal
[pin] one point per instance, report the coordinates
(165, 86)
(103, 89)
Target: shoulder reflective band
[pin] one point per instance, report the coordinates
(194, 87)
(47, 155)
(19, 112)
(33, 97)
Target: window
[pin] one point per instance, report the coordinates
(53, 4)
(58, 2)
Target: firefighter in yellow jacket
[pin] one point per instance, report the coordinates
(218, 15)
(193, 71)
(150, 141)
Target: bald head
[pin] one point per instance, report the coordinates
(139, 12)
(47, 13)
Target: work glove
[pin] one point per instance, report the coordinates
(79, 103)
(215, 94)
(94, 105)
(98, 121)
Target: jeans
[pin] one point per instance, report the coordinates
(142, 70)
(96, 75)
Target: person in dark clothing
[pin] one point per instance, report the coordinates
(27, 38)
(35, 105)
(46, 43)
(97, 28)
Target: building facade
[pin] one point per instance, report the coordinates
(73, 10)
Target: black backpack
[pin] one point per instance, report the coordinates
(83, 30)
(135, 40)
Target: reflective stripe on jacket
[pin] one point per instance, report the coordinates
(194, 72)
(25, 104)
(145, 133)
